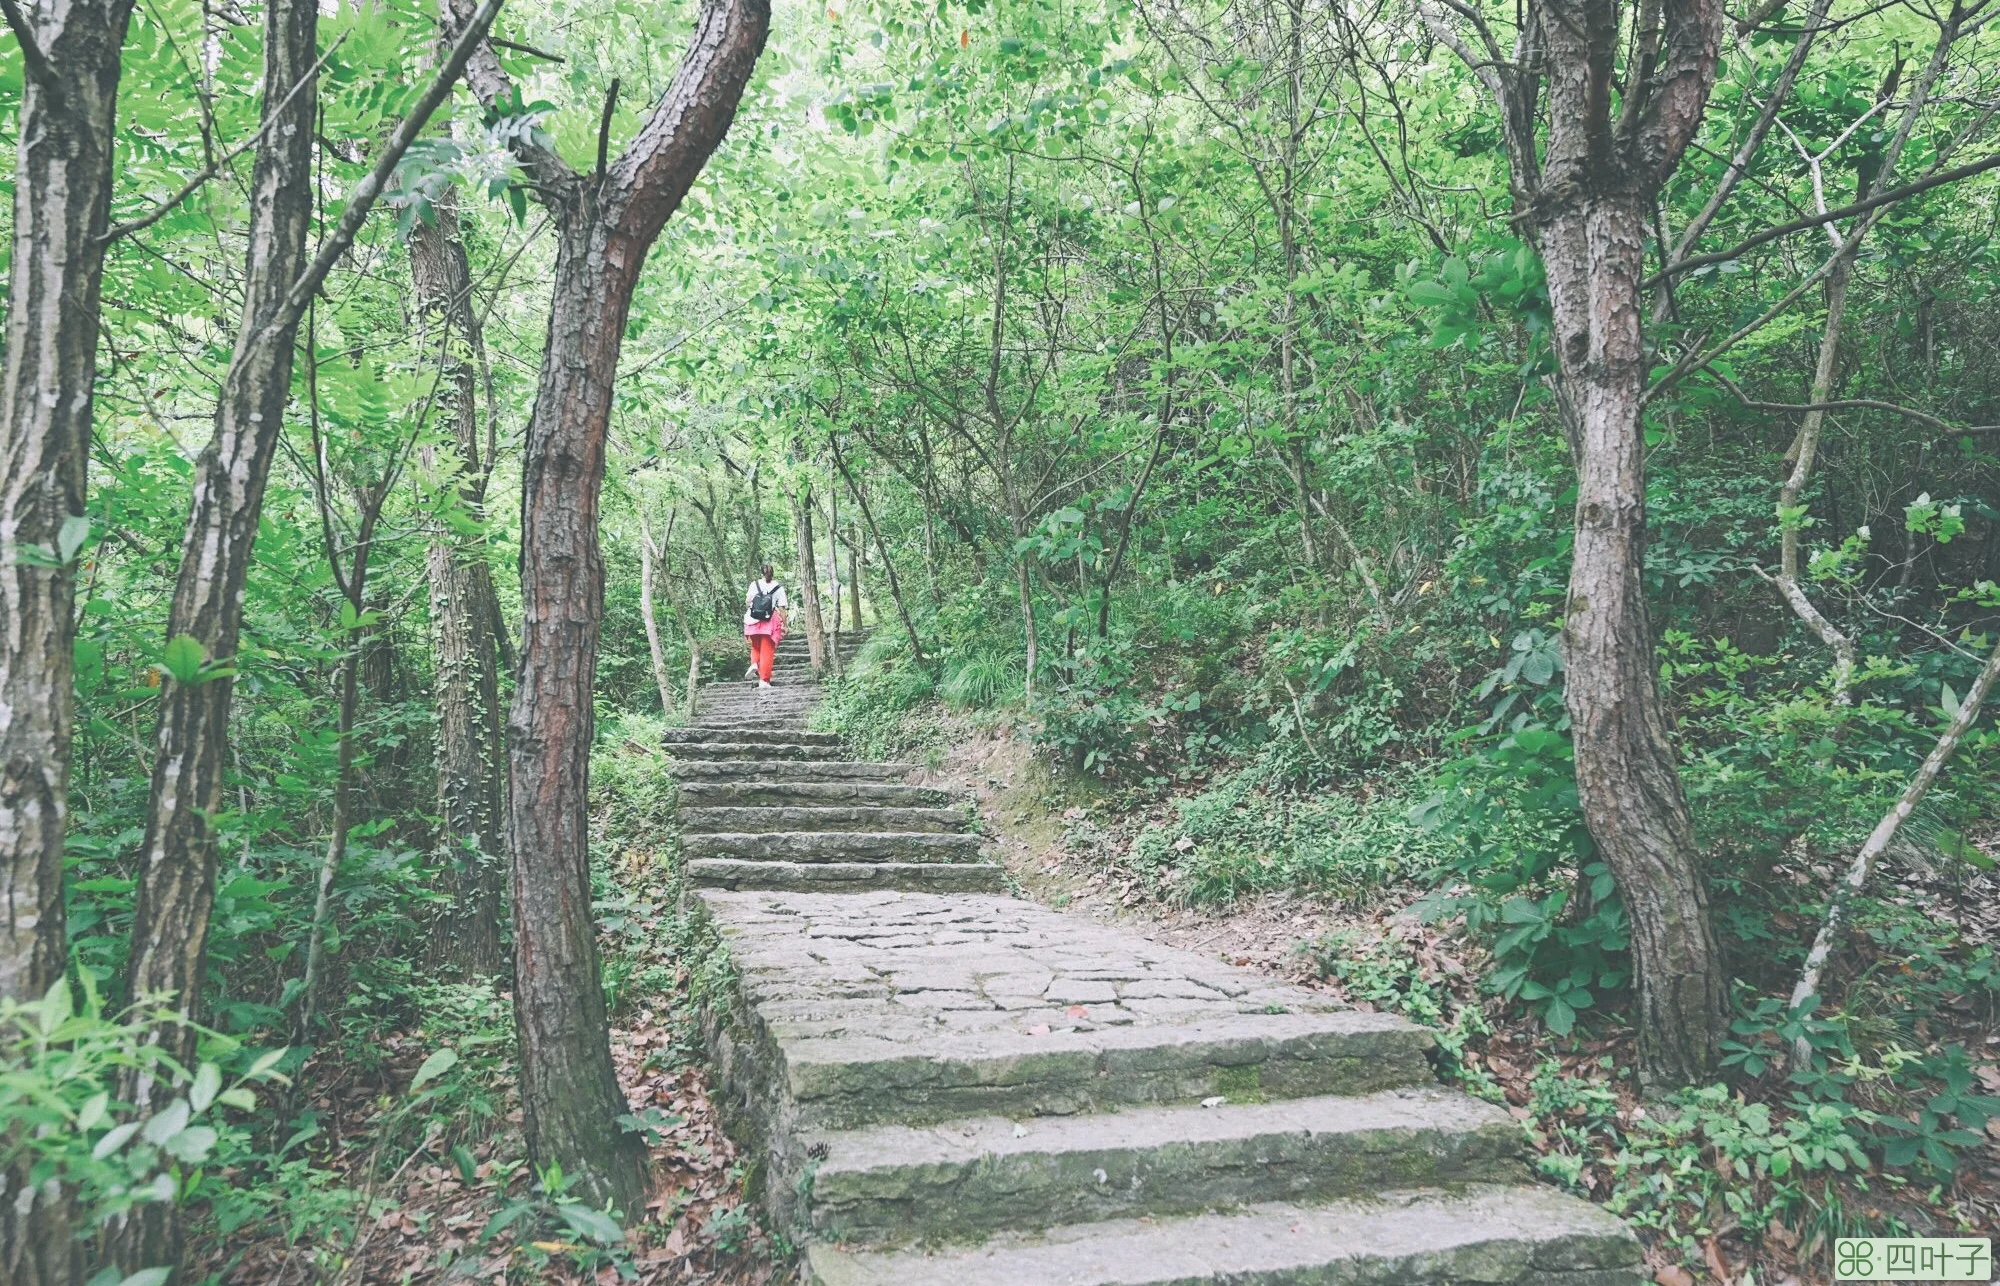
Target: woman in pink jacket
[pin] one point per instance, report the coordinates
(764, 624)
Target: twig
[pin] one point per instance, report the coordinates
(520, 48)
(604, 127)
(271, 118)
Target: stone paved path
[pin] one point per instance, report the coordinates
(948, 1085)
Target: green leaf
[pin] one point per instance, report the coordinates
(594, 1224)
(239, 1098)
(433, 1067)
(91, 1115)
(183, 658)
(207, 1084)
(116, 1138)
(70, 536)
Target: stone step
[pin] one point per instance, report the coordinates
(833, 846)
(748, 731)
(965, 1179)
(790, 794)
(812, 770)
(1489, 1235)
(845, 877)
(761, 749)
(833, 818)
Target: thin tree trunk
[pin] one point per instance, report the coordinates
(471, 745)
(62, 202)
(1879, 839)
(177, 860)
(649, 557)
(808, 584)
(854, 572)
(881, 549)
(606, 223)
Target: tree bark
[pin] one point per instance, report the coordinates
(808, 583)
(471, 746)
(177, 860)
(605, 225)
(62, 204)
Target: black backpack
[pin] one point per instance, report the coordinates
(764, 602)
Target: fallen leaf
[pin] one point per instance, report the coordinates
(1673, 1275)
(1039, 1029)
(1077, 1011)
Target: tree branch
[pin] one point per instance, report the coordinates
(1769, 235)
(32, 58)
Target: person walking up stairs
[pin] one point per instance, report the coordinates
(950, 1086)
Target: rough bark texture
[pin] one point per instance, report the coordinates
(1585, 202)
(605, 225)
(62, 202)
(471, 747)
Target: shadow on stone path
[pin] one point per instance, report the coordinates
(946, 1084)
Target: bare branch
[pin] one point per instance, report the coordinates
(1893, 195)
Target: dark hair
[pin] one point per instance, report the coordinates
(767, 572)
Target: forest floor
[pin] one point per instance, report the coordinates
(428, 1224)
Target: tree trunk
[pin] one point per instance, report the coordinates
(808, 583)
(176, 877)
(854, 572)
(888, 564)
(649, 557)
(176, 885)
(471, 749)
(1627, 781)
(605, 224)
(1584, 198)
(62, 203)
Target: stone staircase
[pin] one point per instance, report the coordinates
(948, 1085)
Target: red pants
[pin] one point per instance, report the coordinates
(763, 655)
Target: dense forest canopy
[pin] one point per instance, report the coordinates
(1529, 466)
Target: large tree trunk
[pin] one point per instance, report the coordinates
(471, 746)
(176, 879)
(62, 202)
(1584, 199)
(1592, 236)
(1627, 780)
(176, 886)
(605, 225)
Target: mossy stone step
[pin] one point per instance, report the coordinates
(793, 794)
(832, 846)
(737, 875)
(821, 817)
(815, 770)
(746, 731)
(965, 1179)
(1488, 1236)
(760, 749)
